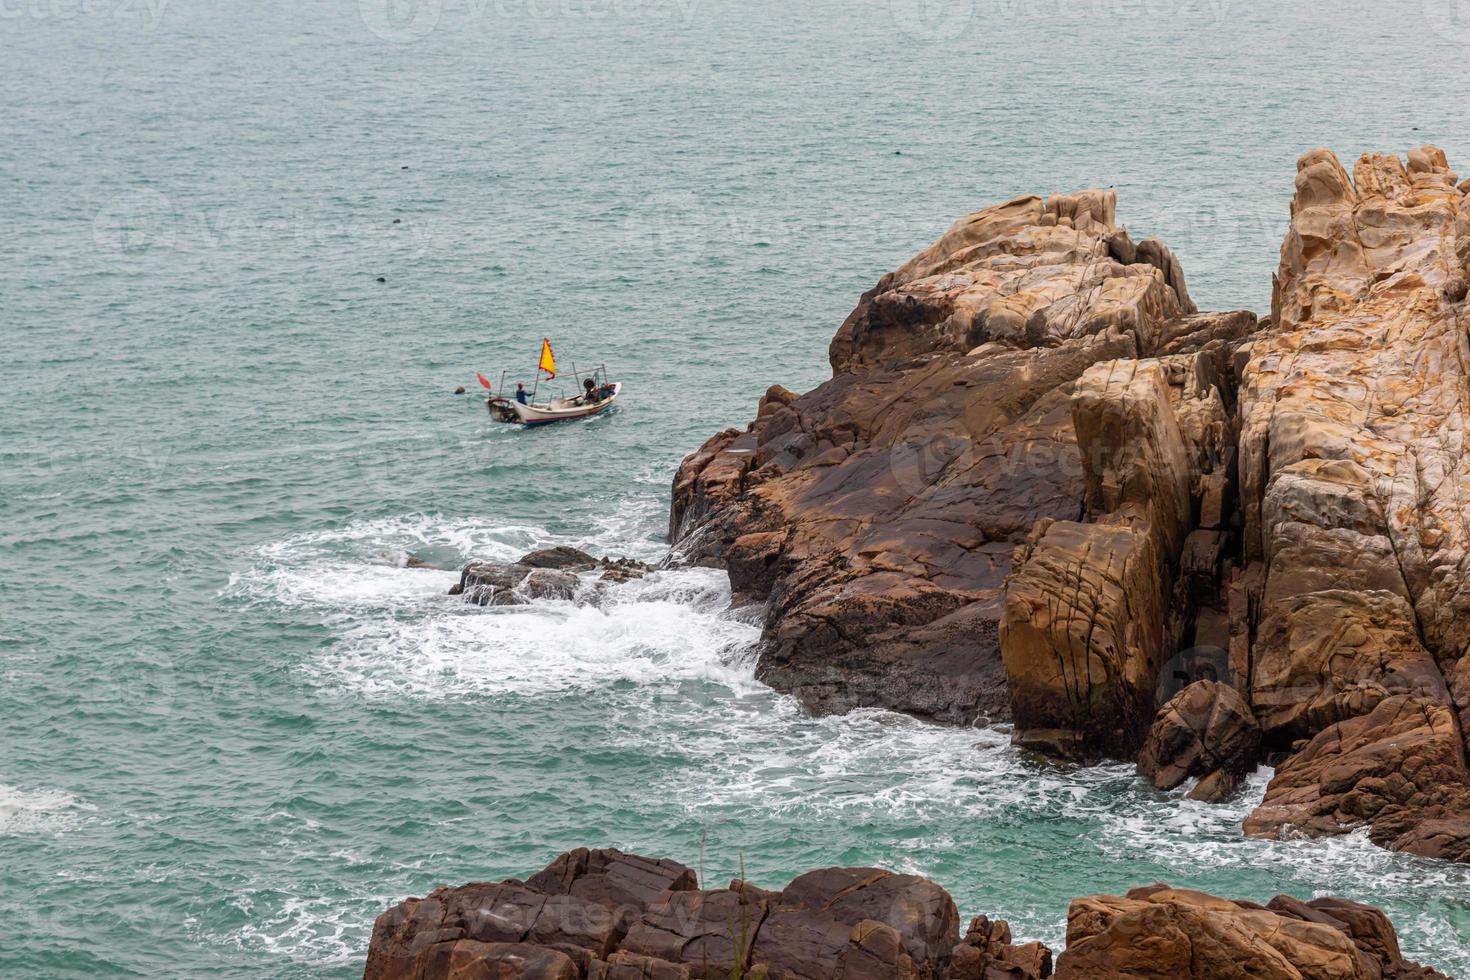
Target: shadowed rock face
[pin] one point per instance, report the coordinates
(606, 915)
(877, 516)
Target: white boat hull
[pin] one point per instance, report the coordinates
(558, 409)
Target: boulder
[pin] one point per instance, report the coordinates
(607, 915)
(612, 878)
(987, 953)
(579, 907)
(1162, 933)
(1398, 770)
(920, 912)
(1206, 729)
(514, 584)
(709, 933)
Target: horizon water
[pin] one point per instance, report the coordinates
(235, 725)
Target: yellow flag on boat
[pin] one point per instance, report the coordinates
(548, 362)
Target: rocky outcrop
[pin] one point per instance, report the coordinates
(1095, 607)
(1042, 486)
(609, 915)
(878, 516)
(551, 573)
(1206, 731)
(606, 915)
(1398, 770)
(988, 953)
(1355, 488)
(1162, 933)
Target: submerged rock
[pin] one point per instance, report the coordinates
(607, 915)
(551, 573)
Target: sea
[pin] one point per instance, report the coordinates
(250, 250)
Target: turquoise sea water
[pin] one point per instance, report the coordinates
(234, 727)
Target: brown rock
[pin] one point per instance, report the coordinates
(922, 913)
(422, 931)
(876, 516)
(1356, 496)
(1083, 639)
(612, 878)
(852, 924)
(551, 573)
(467, 959)
(1093, 610)
(1176, 934)
(708, 932)
(1205, 730)
(1398, 770)
(629, 966)
(987, 953)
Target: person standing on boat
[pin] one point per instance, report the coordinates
(521, 395)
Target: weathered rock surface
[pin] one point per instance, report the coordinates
(988, 953)
(580, 908)
(551, 573)
(1355, 485)
(606, 915)
(1177, 934)
(878, 515)
(1042, 487)
(1206, 730)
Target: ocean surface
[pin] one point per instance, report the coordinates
(235, 725)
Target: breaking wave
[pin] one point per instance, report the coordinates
(664, 674)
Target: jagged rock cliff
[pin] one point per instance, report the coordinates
(878, 516)
(1356, 496)
(607, 915)
(1041, 486)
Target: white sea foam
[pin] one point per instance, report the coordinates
(39, 810)
(400, 633)
(318, 931)
(655, 631)
(737, 750)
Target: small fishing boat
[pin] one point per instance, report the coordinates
(597, 395)
(555, 410)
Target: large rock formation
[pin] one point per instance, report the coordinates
(878, 516)
(1041, 486)
(606, 915)
(1355, 487)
